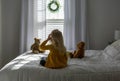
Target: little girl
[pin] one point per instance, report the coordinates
(57, 57)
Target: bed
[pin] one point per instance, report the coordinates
(97, 65)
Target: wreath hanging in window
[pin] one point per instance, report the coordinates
(54, 6)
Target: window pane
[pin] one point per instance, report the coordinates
(45, 20)
(40, 10)
(56, 15)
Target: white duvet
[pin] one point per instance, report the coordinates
(93, 67)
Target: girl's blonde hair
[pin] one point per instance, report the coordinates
(57, 37)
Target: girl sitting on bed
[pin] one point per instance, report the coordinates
(57, 57)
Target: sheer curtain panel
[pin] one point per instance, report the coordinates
(75, 29)
(40, 19)
(33, 20)
(26, 30)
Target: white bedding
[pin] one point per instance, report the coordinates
(93, 67)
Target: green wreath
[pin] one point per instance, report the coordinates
(53, 3)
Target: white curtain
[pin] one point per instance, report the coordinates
(29, 22)
(26, 30)
(75, 28)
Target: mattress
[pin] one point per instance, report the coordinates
(93, 67)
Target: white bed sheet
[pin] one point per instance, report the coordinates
(92, 67)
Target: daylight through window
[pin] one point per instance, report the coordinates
(45, 20)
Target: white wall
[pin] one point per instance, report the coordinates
(103, 19)
(0, 35)
(11, 11)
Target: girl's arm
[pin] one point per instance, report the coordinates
(43, 46)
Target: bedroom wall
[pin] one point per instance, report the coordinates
(0, 35)
(10, 29)
(103, 19)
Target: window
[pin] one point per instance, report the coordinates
(45, 20)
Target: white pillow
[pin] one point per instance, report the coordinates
(116, 45)
(111, 52)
